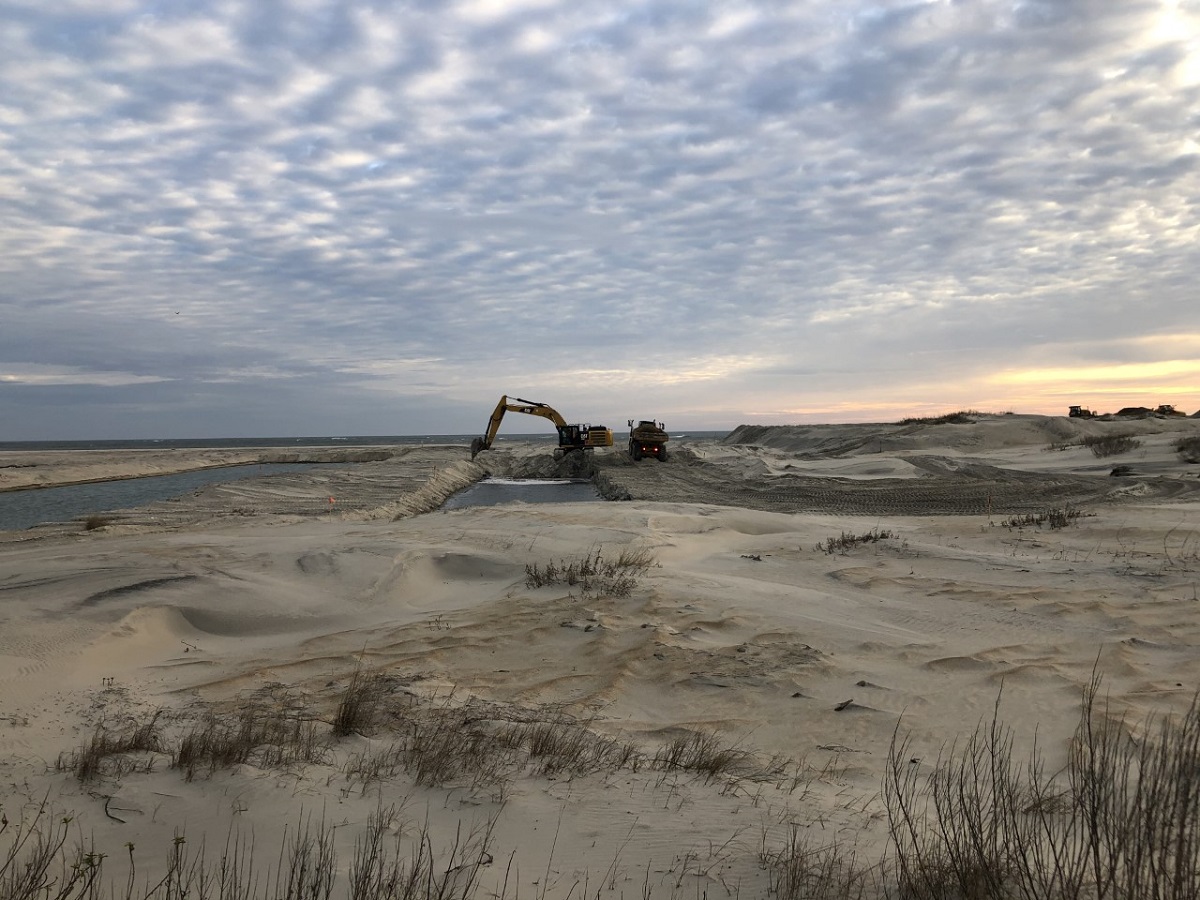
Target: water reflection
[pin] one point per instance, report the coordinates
(494, 491)
(39, 506)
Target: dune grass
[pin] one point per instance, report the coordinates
(40, 862)
(594, 573)
(958, 417)
(116, 751)
(1188, 449)
(848, 540)
(1052, 518)
(1103, 446)
(1120, 820)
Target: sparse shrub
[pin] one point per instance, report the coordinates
(1188, 449)
(442, 748)
(1106, 445)
(91, 523)
(565, 746)
(386, 869)
(847, 541)
(107, 752)
(961, 417)
(803, 870)
(275, 734)
(358, 704)
(593, 573)
(393, 860)
(702, 753)
(1055, 518)
(1122, 820)
(38, 864)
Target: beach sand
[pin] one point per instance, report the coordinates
(766, 618)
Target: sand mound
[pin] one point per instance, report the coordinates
(978, 434)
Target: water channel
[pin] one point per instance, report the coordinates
(493, 491)
(39, 506)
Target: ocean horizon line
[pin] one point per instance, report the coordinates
(217, 443)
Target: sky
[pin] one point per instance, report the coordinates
(234, 218)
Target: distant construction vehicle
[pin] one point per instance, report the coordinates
(570, 437)
(648, 438)
(1081, 412)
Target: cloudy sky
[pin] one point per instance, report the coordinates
(305, 217)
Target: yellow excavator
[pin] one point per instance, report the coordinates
(570, 437)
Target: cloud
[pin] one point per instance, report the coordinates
(396, 197)
(32, 374)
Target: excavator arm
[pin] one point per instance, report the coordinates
(570, 437)
(520, 406)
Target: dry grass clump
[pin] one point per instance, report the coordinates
(108, 752)
(1122, 820)
(385, 869)
(1054, 518)
(847, 540)
(271, 737)
(593, 573)
(563, 746)
(38, 863)
(359, 703)
(1103, 446)
(449, 746)
(486, 746)
(91, 523)
(702, 753)
(1188, 449)
(271, 729)
(805, 870)
(960, 417)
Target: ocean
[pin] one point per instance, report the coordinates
(220, 443)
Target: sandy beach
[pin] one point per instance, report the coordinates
(653, 696)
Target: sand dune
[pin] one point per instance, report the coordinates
(764, 625)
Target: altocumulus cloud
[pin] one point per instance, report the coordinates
(301, 216)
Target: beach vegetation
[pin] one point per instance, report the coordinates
(1052, 518)
(93, 522)
(46, 859)
(701, 752)
(803, 869)
(358, 704)
(1120, 819)
(272, 729)
(847, 541)
(959, 417)
(1188, 449)
(1103, 446)
(115, 751)
(594, 573)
